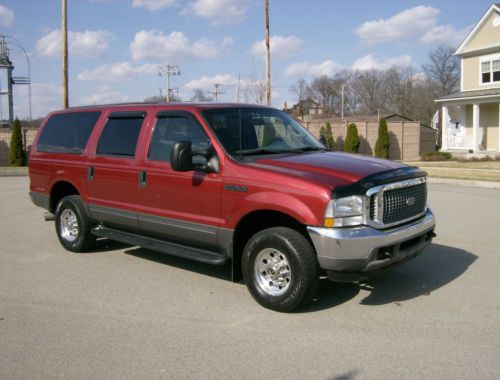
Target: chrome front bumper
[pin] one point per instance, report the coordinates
(350, 254)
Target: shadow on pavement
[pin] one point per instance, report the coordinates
(437, 266)
(218, 271)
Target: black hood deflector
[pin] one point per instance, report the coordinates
(377, 179)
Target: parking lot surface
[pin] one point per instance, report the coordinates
(123, 312)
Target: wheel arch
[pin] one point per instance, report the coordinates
(256, 221)
(59, 190)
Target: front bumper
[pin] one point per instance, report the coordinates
(357, 253)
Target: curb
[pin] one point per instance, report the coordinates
(465, 182)
(21, 172)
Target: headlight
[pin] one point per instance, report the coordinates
(347, 211)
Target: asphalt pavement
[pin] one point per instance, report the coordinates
(123, 312)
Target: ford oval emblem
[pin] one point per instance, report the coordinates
(410, 201)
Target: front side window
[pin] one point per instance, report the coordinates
(174, 128)
(254, 131)
(67, 133)
(119, 137)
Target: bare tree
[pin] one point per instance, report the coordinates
(444, 70)
(368, 86)
(323, 91)
(200, 96)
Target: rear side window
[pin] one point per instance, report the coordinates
(120, 134)
(67, 133)
(171, 129)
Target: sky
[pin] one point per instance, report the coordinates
(117, 46)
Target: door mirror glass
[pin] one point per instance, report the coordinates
(181, 157)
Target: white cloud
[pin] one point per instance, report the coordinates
(445, 34)
(370, 62)
(307, 69)
(153, 44)
(281, 46)
(153, 5)
(105, 95)
(45, 98)
(6, 16)
(117, 72)
(86, 44)
(411, 23)
(207, 83)
(219, 11)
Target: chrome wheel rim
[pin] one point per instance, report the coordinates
(272, 271)
(68, 225)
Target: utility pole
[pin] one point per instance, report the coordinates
(216, 93)
(64, 33)
(169, 70)
(238, 89)
(268, 58)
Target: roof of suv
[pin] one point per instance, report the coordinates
(160, 105)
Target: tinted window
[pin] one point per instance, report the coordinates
(171, 129)
(67, 133)
(119, 137)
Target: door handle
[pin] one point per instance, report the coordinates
(90, 173)
(142, 179)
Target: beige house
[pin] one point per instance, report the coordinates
(478, 101)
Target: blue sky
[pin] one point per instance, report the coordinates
(117, 45)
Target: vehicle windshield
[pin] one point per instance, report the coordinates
(256, 131)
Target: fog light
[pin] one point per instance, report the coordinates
(329, 222)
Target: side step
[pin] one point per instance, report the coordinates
(190, 253)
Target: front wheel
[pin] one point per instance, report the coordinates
(280, 269)
(73, 225)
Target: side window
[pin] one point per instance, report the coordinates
(171, 129)
(119, 136)
(67, 133)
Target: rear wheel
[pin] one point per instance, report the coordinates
(73, 225)
(280, 269)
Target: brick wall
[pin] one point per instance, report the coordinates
(408, 139)
(29, 135)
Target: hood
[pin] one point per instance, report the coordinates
(328, 168)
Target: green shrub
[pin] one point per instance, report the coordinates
(382, 144)
(17, 156)
(322, 132)
(329, 136)
(351, 143)
(436, 156)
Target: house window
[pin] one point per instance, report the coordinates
(496, 70)
(490, 71)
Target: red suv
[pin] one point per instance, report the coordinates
(228, 182)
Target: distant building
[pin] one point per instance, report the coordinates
(476, 128)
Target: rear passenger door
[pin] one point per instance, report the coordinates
(183, 207)
(112, 182)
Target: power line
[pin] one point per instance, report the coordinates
(217, 92)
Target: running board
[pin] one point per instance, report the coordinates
(179, 250)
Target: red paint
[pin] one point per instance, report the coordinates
(298, 185)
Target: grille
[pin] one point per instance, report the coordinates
(373, 206)
(404, 203)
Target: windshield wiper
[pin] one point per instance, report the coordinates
(256, 151)
(307, 149)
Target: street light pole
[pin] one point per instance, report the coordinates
(18, 44)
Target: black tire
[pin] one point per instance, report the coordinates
(71, 209)
(294, 256)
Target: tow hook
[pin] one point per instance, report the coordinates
(49, 217)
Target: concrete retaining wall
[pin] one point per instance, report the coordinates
(29, 135)
(408, 139)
